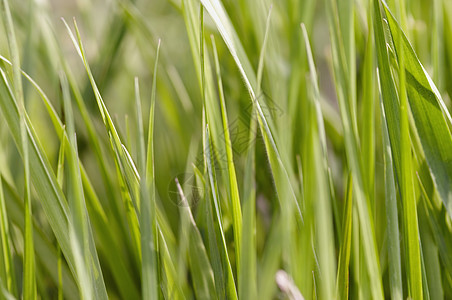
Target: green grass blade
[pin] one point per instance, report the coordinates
(234, 190)
(7, 259)
(29, 280)
(201, 269)
(229, 290)
(90, 279)
(430, 114)
(342, 279)
(318, 188)
(394, 260)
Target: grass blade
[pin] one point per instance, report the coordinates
(7, 259)
(395, 272)
(29, 282)
(318, 188)
(430, 115)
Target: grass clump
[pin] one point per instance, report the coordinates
(278, 161)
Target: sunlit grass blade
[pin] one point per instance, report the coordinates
(148, 221)
(229, 289)
(7, 258)
(318, 188)
(234, 190)
(342, 279)
(90, 279)
(430, 114)
(392, 221)
(29, 280)
(248, 275)
(203, 279)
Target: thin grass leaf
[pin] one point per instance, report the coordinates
(79, 228)
(248, 275)
(342, 279)
(29, 281)
(430, 115)
(394, 260)
(229, 289)
(234, 190)
(7, 259)
(201, 270)
(318, 188)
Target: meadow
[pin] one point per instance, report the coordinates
(219, 149)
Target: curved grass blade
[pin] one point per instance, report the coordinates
(148, 223)
(7, 262)
(430, 115)
(29, 280)
(78, 227)
(234, 190)
(394, 260)
(229, 291)
(342, 279)
(318, 188)
(200, 267)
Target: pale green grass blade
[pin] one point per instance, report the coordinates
(195, 31)
(271, 259)
(248, 276)
(150, 176)
(170, 281)
(7, 258)
(234, 190)
(367, 134)
(392, 221)
(203, 278)
(29, 280)
(90, 278)
(342, 279)
(229, 290)
(60, 179)
(411, 227)
(318, 188)
(148, 223)
(430, 253)
(401, 146)
(430, 114)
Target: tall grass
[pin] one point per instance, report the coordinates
(225, 150)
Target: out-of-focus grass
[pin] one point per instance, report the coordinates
(216, 149)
